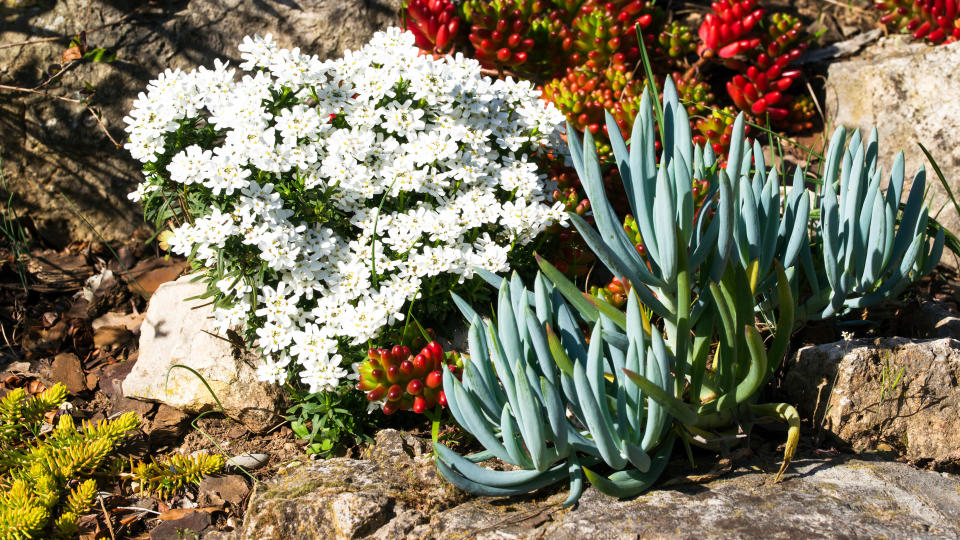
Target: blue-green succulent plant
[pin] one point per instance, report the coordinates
(541, 394)
(686, 360)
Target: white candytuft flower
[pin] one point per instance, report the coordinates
(324, 196)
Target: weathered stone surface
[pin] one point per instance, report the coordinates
(52, 147)
(393, 490)
(908, 91)
(189, 526)
(180, 331)
(897, 392)
(395, 493)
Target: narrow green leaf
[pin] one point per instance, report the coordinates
(678, 409)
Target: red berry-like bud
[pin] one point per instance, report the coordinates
(385, 359)
(414, 387)
(442, 398)
(504, 55)
(434, 379)
(391, 407)
(406, 367)
(377, 393)
(419, 405)
(394, 393)
(421, 365)
(393, 373)
(435, 350)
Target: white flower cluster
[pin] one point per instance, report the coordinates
(449, 156)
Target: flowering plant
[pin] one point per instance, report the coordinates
(321, 197)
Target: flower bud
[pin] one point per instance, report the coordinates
(391, 407)
(377, 393)
(434, 379)
(421, 365)
(393, 373)
(419, 405)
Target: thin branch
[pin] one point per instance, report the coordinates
(57, 75)
(695, 67)
(31, 42)
(102, 126)
(56, 38)
(106, 516)
(83, 102)
(137, 509)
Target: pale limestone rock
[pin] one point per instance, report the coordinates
(180, 331)
(894, 392)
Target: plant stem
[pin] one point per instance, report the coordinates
(682, 337)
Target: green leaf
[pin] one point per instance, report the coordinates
(531, 419)
(631, 483)
(598, 428)
(480, 475)
(678, 409)
(758, 366)
(544, 479)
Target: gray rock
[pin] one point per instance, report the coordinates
(191, 525)
(180, 331)
(52, 147)
(907, 90)
(892, 393)
(387, 494)
(249, 462)
(395, 493)
(820, 499)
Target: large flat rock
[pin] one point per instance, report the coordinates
(396, 493)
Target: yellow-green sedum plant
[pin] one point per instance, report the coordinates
(48, 473)
(537, 393)
(45, 476)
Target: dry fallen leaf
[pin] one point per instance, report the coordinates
(178, 513)
(73, 53)
(35, 387)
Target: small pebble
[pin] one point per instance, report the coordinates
(249, 462)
